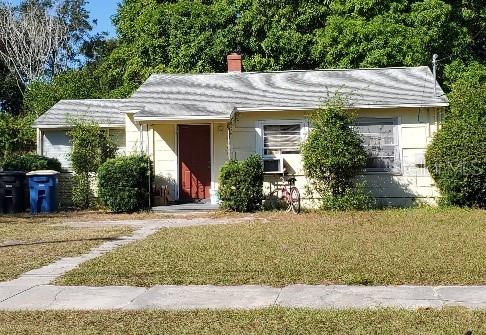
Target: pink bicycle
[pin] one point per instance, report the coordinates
(288, 194)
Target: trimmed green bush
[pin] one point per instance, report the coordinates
(123, 183)
(30, 162)
(357, 198)
(456, 158)
(241, 184)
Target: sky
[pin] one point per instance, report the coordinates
(101, 10)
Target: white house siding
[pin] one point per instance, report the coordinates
(164, 156)
(55, 144)
(219, 152)
(118, 137)
(415, 129)
(133, 140)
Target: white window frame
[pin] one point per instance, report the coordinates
(304, 128)
(396, 135)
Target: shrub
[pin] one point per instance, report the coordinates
(123, 183)
(456, 158)
(241, 184)
(356, 198)
(16, 134)
(333, 154)
(91, 147)
(30, 162)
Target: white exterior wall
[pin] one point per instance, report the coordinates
(219, 152)
(132, 135)
(415, 130)
(54, 143)
(164, 156)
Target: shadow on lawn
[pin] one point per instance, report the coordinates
(21, 243)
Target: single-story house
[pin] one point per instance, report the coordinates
(191, 124)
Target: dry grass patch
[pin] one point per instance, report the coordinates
(419, 246)
(264, 321)
(27, 243)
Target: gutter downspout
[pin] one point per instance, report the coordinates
(142, 151)
(228, 128)
(434, 72)
(229, 125)
(150, 167)
(141, 137)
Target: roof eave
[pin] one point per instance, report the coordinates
(181, 118)
(66, 126)
(358, 106)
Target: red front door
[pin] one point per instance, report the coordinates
(194, 162)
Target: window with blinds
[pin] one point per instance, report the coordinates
(380, 140)
(281, 139)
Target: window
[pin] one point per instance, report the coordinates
(281, 139)
(380, 138)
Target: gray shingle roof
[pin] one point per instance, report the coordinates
(102, 111)
(217, 95)
(169, 96)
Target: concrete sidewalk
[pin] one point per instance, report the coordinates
(49, 297)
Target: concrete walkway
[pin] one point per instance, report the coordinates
(32, 291)
(49, 297)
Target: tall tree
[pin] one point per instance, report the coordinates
(10, 93)
(42, 37)
(29, 40)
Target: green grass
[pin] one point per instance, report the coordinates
(265, 321)
(28, 243)
(419, 246)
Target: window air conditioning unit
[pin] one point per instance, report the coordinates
(273, 165)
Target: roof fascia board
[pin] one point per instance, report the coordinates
(181, 118)
(131, 111)
(277, 109)
(64, 126)
(306, 109)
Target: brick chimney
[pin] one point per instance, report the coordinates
(234, 63)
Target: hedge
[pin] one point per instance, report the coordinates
(123, 183)
(30, 162)
(241, 184)
(456, 158)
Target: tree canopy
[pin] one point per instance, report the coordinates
(176, 36)
(456, 158)
(195, 36)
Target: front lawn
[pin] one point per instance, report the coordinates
(28, 243)
(264, 321)
(413, 246)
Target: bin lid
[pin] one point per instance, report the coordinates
(43, 173)
(12, 174)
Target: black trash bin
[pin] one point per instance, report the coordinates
(12, 192)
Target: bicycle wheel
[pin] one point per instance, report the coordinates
(295, 200)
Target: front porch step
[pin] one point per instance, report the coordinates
(187, 208)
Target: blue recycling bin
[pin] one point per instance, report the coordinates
(43, 191)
